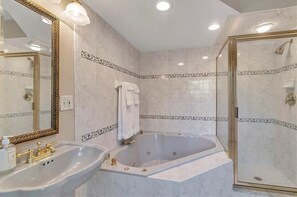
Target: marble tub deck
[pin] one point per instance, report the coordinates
(206, 177)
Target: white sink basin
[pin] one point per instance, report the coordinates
(68, 168)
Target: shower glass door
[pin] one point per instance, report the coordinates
(266, 134)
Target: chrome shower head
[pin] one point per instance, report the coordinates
(31, 61)
(280, 50)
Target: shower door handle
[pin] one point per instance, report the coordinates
(236, 112)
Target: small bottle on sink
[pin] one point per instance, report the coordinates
(7, 155)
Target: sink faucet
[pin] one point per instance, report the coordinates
(41, 153)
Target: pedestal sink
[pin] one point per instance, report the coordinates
(58, 175)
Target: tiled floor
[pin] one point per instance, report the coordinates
(269, 175)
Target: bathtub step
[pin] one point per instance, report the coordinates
(153, 163)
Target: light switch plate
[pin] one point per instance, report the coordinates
(66, 102)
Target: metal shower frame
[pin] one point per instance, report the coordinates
(231, 43)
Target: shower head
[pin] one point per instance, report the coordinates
(280, 50)
(31, 61)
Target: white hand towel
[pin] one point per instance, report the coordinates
(129, 93)
(136, 109)
(136, 94)
(125, 114)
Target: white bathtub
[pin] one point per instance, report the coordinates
(155, 152)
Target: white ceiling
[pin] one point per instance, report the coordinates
(184, 26)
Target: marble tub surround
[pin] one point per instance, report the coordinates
(95, 95)
(207, 177)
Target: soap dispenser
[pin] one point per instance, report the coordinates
(7, 155)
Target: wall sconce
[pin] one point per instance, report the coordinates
(76, 13)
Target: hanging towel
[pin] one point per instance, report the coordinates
(125, 113)
(129, 93)
(136, 94)
(136, 109)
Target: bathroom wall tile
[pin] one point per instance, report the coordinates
(95, 95)
(181, 94)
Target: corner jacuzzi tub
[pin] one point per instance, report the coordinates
(155, 152)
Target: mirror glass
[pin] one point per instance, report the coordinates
(26, 75)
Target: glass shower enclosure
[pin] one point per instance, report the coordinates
(257, 110)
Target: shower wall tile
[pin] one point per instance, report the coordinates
(179, 90)
(95, 94)
(286, 138)
(16, 113)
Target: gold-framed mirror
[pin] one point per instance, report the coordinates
(29, 71)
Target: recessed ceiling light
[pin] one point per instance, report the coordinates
(264, 27)
(205, 57)
(214, 27)
(163, 6)
(35, 47)
(46, 20)
(181, 64)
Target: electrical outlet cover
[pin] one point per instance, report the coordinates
(66, 102)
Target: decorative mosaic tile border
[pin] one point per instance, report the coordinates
(97, 133)
(21, 74)
(15, 115)
(167, 117)
(106, 63)
(21, 114)
(46, 77)
(185, 75)
(271, 121)
(103, 62)
(269, 72)
(111, 65)
(203, 118)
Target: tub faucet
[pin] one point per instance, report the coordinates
(129, 141)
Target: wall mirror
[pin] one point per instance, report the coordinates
(29, 71)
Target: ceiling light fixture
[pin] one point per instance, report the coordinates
(163, 5)
(264, 27)
(214, 27)
(76, 13)
(35, 47)
(46, 20)
(205, 57)
(181, 64)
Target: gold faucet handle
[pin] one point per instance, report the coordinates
(51, 145)
(23, 153)
(30, 154)
(38, 146)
